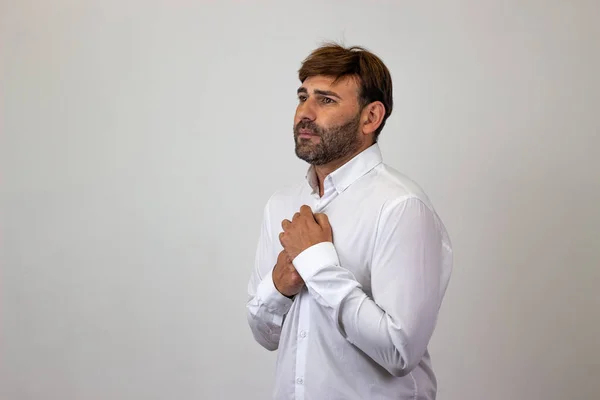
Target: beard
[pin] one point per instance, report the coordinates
(335, 142)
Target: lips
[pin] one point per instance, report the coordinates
(304, 133)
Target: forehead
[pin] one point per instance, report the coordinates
(346, 85)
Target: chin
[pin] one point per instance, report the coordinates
(305, 156)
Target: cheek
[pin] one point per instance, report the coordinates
(333, 119)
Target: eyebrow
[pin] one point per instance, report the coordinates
(321, 92)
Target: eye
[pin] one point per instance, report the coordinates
(327, 100)
(302, 98)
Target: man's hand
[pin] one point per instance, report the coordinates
(304, 231)
(285, 277)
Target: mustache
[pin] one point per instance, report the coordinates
(308, 125)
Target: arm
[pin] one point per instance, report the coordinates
(395, 326)
(266, 307)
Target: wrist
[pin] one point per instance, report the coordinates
(272, 297)
(282, 292)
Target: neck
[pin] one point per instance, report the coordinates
(323, 170)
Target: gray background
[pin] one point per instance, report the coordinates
(140, 141)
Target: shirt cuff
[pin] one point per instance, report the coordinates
(327, 281)
(315, 258)
(271, 297)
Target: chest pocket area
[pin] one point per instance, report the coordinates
(353, 239)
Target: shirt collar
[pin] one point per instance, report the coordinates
(350, 172)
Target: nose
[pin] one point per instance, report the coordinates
(306, 111)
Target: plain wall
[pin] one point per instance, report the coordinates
(140, 141)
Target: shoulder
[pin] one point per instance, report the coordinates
(401, 197)
(286, 193)
(390, 186)
(280, 203)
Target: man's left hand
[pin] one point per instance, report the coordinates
(304, 230)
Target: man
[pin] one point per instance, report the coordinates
(353, 263)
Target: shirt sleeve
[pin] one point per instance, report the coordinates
(266, 307)
(395, 325)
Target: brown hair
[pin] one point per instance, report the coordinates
(374, 78)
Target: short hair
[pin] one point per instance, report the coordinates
(334, 60)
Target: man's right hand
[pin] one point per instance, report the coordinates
(285, 277)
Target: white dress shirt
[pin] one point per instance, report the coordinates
(360, 327)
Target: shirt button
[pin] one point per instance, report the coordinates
(303, 334)
(299, 381)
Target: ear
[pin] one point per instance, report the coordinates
(371, 117)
